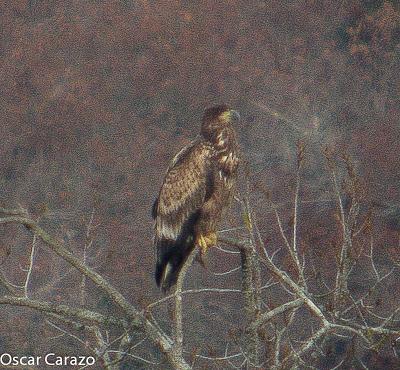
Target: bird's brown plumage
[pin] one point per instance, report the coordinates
(197, 187)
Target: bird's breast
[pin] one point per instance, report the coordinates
(228, 163)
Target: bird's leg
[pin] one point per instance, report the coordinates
(204, 242)
(211, 239)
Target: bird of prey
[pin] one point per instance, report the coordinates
(197, 187)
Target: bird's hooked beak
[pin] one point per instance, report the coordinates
(230, 115)
(234, 115)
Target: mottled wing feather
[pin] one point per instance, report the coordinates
(184, 190)
(154, 209)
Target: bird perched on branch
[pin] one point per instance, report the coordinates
(196, 189)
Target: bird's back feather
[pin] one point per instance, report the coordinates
(197, 187)
(185, 188)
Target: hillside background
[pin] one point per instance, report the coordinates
(97, 96)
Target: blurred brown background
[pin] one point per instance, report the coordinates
(96, 96)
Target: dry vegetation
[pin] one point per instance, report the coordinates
(95, 98)
(295, 313)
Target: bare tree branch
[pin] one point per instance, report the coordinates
(6, 284)
(63, 310)
(266, 316)
(30, 268)
(270, 337)
(137, 319)
(178, 320)
(296, 355)
(344, 262)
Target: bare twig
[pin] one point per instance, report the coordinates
(344, 258)
(295, 253)
(63, 310)
(178, 324)
(251, 287)
(311, 342)
(30, 268)
(137, 319)
(101, 350)
(88, 243)
(265, 317)
(11, 288)
(65, 332)
(270, 337)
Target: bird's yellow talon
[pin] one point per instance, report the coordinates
(202, 244)
(206, 241)
(211, 239)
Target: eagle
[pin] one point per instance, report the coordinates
(197, 188)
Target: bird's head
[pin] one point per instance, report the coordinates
(217, 118)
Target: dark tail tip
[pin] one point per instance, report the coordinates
(167, 275)
(170, 259)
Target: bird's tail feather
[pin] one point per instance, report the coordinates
(172, 253)
(171, 256)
